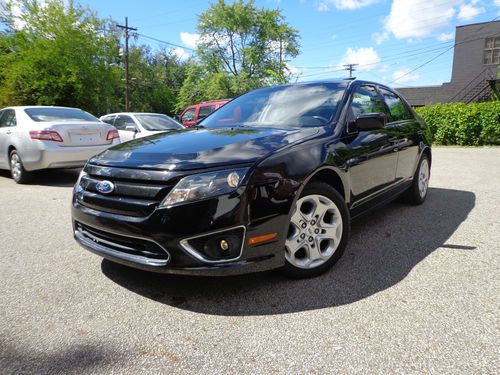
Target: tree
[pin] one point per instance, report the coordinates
(241, 47)
(57, 53)
(156, 79)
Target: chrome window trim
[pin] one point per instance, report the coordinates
(191, 251)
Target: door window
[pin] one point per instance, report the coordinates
(8, 119)
(206, 110)
(108, 119)
(397, 108)
(122, 121)
(188, 116)
(366, 100)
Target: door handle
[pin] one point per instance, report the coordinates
(8, 132)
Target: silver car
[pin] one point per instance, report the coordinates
(131, 125)
(33, 138)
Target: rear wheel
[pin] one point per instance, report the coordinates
(17, 171)
(417, 192)
(318, 231)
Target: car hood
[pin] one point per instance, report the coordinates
(200, 148)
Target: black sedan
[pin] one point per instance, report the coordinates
(270, 180)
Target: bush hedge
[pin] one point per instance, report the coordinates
(464, 124)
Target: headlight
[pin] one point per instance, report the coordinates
(205, 185)
(77, 185)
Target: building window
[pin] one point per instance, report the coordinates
(492, 51)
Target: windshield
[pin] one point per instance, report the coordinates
(158, 122)
(59, 114)
(282, 107)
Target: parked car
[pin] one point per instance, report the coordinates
(37, 137)
(196, 112)
(270, 180)
(131, 125)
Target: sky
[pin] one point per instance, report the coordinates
(388, 39)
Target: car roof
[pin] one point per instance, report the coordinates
(348, 81)
(214, 101)
(38, 106)
(134, 113)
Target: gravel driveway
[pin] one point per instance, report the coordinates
(417, 291)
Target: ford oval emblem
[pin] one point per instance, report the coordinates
(105, 187)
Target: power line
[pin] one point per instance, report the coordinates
(383, 60)
(165, 42)
(442, 53)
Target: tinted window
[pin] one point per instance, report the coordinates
(397, 109)
(188, 115)
(206, 110)
(8, 118)
(58, 114)
(158, 122)
(282, 106)
(122, 121)
(366, 100)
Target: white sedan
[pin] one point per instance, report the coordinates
(33, 138)
(133, 125)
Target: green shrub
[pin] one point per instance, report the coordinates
(464, 124)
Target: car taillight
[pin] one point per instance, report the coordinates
(46, 135)
(112, 134)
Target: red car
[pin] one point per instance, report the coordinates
(195, 112)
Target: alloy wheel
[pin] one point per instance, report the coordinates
(423, 178)
(314, 233)
(15, 166)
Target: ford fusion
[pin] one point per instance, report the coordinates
(270, 180)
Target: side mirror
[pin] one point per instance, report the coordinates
(368, 121)
(131, 128)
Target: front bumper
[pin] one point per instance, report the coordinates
(170, 229)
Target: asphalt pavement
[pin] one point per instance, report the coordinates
(417, 291)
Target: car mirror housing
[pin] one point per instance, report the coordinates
(370, 121)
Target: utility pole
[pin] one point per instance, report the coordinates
(350, 68)
(127, 35)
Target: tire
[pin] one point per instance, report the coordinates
(417, 192)
(17, 171)
(318, 231)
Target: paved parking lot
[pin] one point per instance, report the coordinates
(417, 291)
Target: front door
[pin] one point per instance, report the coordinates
(188, 118)
(404, 127)
(373, 160)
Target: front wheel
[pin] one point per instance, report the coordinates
(17, 171)
(318, 231)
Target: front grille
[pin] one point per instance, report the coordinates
(133, 194)
(123, 244)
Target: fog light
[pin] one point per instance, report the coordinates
(224, 245)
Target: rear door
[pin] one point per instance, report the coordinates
(205, 110)
(109, 119)
(126, 127)
(404, 129)
(7, 123)
(373, 163)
